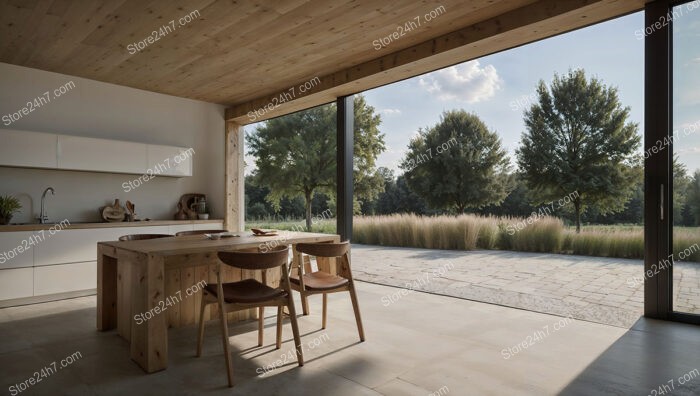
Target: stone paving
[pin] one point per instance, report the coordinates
(596, 289)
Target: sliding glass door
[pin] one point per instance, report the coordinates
(683, 207)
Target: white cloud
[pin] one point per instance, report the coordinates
(691, 150)
(468, 82)
(390, 111)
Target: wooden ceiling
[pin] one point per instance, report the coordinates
(242, 53)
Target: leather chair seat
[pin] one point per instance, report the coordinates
(248, 291)
(320, 280)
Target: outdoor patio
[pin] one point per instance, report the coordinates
(421, 344)
(596, 289)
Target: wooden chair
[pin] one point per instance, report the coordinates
(199, 232)
(321, 282)
(250, 293)
(140, 237)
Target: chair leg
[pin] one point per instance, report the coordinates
(295, 329)
(356, 308)
(261, 325)
(227, 352)
(200, 336)
(280, 313)
(325, 309)
(305, 304)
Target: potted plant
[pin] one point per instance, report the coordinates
(9, 205)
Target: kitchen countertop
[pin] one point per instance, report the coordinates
(80, 226)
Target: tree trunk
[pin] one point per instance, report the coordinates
(577, 208)
(307, 206)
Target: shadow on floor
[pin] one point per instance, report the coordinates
(650, 350)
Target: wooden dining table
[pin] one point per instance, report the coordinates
(135, 279)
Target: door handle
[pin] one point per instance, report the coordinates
(661, 200)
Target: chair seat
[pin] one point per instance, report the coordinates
(248, 291)
(320, 280)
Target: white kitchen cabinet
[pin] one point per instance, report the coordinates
(16, 250)
(169, 160)
(63, 278)
(65, 261)
(209, 226)
(27, 149)
(101, 155)
(74, 246)
(16, 283)
(174, 229)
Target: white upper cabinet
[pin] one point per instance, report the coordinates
(101, 155)
(46, 150)
(169, 161)
(27, 149)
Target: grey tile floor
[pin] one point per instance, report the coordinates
(417, 344)
(597, 289)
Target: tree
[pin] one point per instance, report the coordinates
(396, 197)
(681, 181)
(577, 140)
(295, 155)
(515, 204)
(457, 164)
(693, 198)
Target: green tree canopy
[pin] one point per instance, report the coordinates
(457, 164)
(693, 198)
(577, 138)
(295, 155)
(681, 182)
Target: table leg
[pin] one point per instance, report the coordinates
(149, 336)
(106, 291)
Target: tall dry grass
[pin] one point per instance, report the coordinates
(544, 234)
(465, 232)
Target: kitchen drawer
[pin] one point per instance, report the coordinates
(15, 250)
(16, 283)
(62, 278)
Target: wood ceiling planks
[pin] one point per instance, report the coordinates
(239, 52)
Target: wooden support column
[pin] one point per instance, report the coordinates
(345, 132)
(235, 179)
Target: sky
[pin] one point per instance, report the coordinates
(498, 87)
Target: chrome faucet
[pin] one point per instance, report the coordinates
(43, 218)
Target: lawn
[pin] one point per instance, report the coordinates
(470, 232)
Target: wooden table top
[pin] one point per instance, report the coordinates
(201, 244)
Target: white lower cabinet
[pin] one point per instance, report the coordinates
(209, 226)
(71, 246)
(16, 283)
(16, 250)
(62, 278)
(65, 260)
(174, 229)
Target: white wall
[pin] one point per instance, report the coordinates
(96, 109)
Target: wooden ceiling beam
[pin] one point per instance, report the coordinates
(541, 19)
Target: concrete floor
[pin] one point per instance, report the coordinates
(417, 344)
(596, 289)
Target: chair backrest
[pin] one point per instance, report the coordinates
(199, 232)
(324, 249)
(256, 260)
(140, 237)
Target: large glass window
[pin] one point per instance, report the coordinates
(685, 143)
